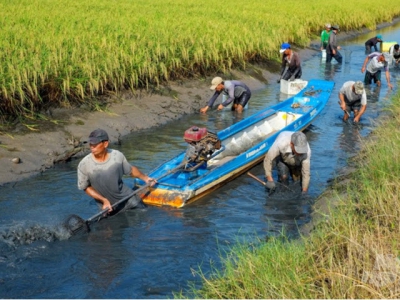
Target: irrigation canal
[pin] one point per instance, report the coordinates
(151, 253)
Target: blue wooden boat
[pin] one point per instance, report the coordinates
(232, 151)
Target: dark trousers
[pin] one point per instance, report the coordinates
(338, 57)
(288, 74)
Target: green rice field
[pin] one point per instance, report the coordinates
(57, 52)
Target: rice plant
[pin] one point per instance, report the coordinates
(51, 55)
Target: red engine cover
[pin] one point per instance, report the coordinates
(194, 134)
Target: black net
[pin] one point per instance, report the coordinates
(75, 223)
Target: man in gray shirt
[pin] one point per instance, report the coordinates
(100, 174)
(236, 91)
(332, 50)
(291, 154)
(352, 97)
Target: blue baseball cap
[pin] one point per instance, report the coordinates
(284, 47)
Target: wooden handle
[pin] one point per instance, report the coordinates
(344, 110)
(256, 178)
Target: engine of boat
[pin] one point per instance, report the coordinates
(201, 144)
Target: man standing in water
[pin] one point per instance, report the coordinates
(100, 174)
(332, 49)
(292, 60)
(376, 62)
(291, 155)
(325, 36)
(352, 97)
(372, 42)
(235, 90)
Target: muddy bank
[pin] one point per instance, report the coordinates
(32, 147)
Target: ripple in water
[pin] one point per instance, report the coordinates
(22, 234)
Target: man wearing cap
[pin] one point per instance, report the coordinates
(394, 52)
(372, 42)
(235, 90)
(376, 62)
(325, 36)
(291, 154)
(292, 60)
(332, 49)
(100, 174)
(352, 97)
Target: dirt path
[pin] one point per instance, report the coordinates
(64, 135)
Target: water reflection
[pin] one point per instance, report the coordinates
(350, 137)
(101, 266)
(331, 70)
(373, 93)
(287, 209)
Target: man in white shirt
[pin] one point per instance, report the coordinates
(394, 52)
(352, 97)
(291, 154)
(377, 62)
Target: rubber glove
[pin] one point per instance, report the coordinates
(270, 185)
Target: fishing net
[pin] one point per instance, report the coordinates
(311, 92)
(74, 223)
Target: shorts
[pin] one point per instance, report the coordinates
(369, 77)
(242, 99)
(352, 106)
(285, 170)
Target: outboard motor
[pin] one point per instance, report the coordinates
(202, 145)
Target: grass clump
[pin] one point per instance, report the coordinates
(353, 253)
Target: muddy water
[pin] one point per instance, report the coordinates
(151, 253)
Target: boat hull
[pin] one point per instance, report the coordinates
(246, 144)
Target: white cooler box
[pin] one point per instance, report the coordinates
(292, 87)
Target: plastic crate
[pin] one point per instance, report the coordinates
(386, 46)
(292, 87)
